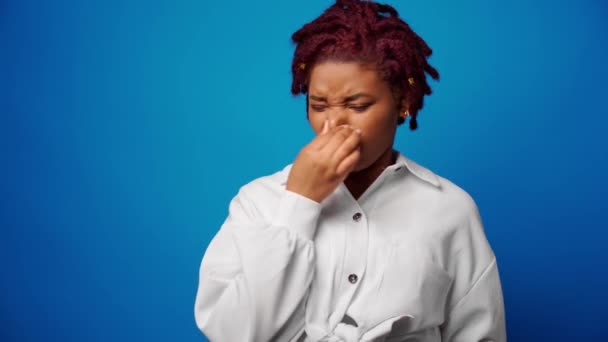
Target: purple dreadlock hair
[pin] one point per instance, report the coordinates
(367, 32)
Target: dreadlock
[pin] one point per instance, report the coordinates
(368, 32)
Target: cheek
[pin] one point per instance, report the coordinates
(378, 131)
(316, 124)
(372, 126)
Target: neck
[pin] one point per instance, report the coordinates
(357, 182)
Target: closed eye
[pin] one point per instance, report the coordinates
(317, 108)
(356, 108)
(360, 108)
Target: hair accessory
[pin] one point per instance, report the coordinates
(302, 66)
(410, 80)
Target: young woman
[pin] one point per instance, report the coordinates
(353, 241)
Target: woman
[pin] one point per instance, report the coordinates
(353, 241)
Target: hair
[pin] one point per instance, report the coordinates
(366, 32)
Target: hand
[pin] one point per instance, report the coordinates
(325, 162)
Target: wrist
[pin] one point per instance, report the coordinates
(308, 194)
(298, 213)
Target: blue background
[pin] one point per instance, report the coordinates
(127, 127)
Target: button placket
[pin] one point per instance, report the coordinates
(353, 277)
(356, 249)
(354, 258)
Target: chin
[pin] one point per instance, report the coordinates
(366, 163)
(360, 166)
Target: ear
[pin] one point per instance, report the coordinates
(404, 106)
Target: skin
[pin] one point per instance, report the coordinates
(354, 114)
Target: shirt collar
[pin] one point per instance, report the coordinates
(416, 169)
(401, 161)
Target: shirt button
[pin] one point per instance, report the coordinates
(357, 217)
(352, 278)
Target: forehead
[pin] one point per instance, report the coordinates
(337, 79)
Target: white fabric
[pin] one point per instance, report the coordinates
(279, 266)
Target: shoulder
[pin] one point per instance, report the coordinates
(450, 223)
(456, 200)
(445, 213)
(440, 194)
(260, 197)
(268, 185)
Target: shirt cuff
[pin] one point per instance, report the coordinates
(298, 213)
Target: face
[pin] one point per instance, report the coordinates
(351, 93)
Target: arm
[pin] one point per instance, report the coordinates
(476, 311)
(479, 315)
(255, 274)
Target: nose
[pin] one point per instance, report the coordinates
(337, 115)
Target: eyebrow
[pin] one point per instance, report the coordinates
(346, 99)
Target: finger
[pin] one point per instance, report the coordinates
(351, 143)
(337, 138)
(322, 138)
(332, 124)
(325, 127)
(349, 163)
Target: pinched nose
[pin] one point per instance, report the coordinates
(337, 116)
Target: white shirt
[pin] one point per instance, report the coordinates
(407, 261)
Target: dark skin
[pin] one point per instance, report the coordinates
(354, 113)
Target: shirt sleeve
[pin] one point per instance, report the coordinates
(476, 308)
(256, 272)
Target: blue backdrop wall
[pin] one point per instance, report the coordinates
(127, 126)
